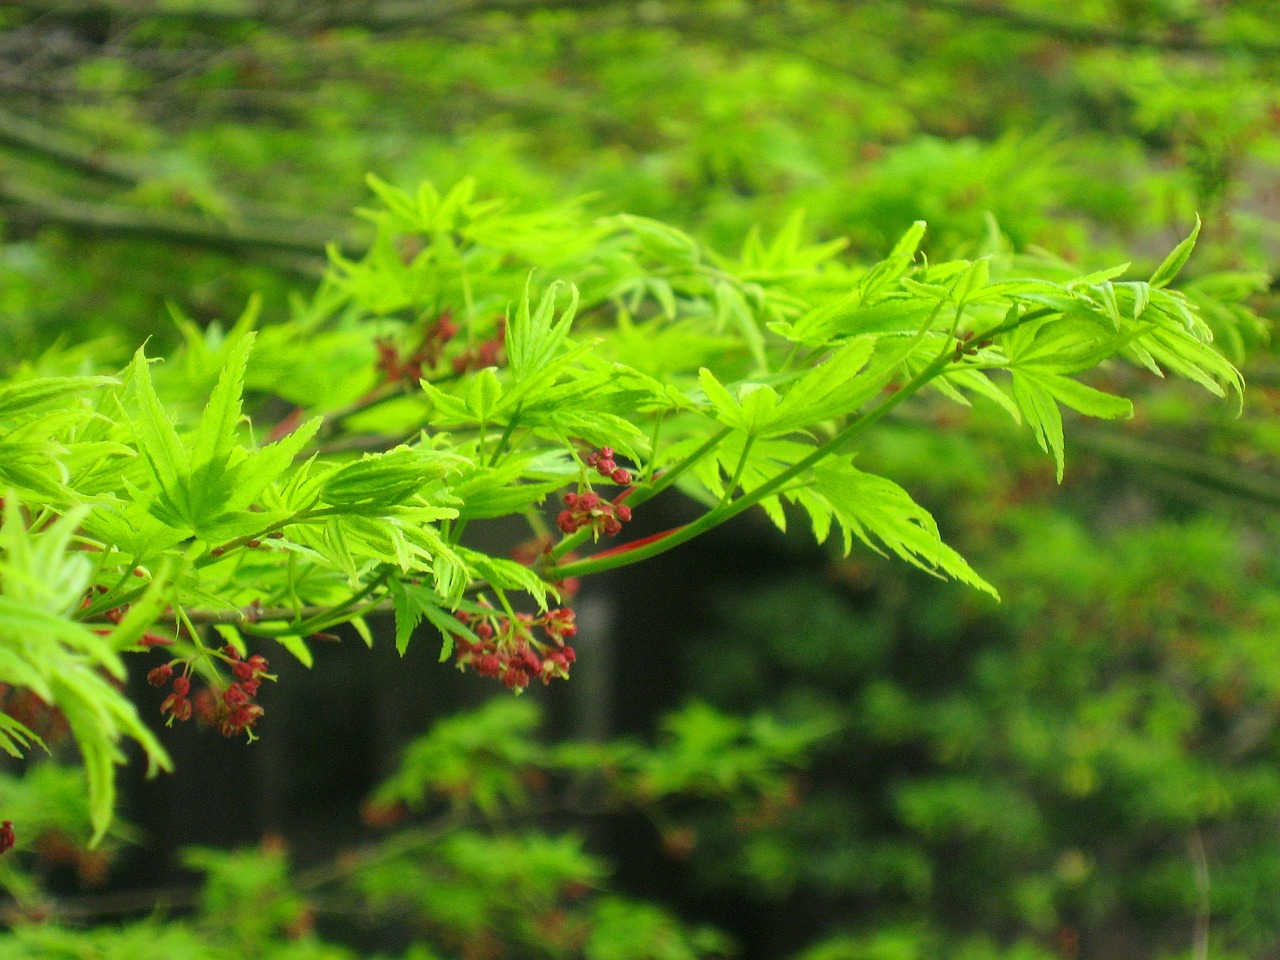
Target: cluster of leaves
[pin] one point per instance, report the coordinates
(1090, 766)
(744, 380)
(471, 875)
(1078, 133)
(1085, 136)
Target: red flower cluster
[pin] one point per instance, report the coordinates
(487, 353)
(606, 466)
(175, 704)
(46, 721)
(588, 510)
(232, 711)
(507, 649)
(423, 359)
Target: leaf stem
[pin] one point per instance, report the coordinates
(622, 556)
(739, 470)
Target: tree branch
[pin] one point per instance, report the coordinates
(1176, 39)
(40, 140)
(376, 17)
(304, 246)
(1205, 471)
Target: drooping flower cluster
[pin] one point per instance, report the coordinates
(591, 511)
(41, 718)
(421, 360)
(231, 711)
(486, 353)
(508, 650)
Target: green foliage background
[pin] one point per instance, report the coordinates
(1088, 769)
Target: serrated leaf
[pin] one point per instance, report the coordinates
(871, 508)
(728, 409)
(928, 291)
(1083, 398)
(412, 603)
(731, 307)
(534, 338)
(484, 394)
(216, 434)
(158, 440)
(29, 396)
(16, 737)
(827, 390)
(264, 466)
(506, 574)
(664, 241)
(1042, 415)
(382, 480)
(1174, 262)
(971, 282)
(298, 647)
(759, 406)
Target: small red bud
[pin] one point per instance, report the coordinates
(621, 477)
(623, 512)
(160, 675)
(181, 686)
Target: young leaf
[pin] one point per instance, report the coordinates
(158, 441)
(534, 338)
(1174, 262)
(868, 506)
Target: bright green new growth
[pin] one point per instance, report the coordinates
(744, 381)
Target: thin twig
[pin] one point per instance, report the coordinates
(1200, 864)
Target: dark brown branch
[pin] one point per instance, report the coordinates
(1205, 471)
(397, 15)
(376, 17)
(38, 139)
(1178, 39)
(25, 204)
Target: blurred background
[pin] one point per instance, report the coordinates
(1089, 769)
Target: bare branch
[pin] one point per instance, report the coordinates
(40, 140)
(24, 204)
(1178, 38)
